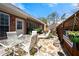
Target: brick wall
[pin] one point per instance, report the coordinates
(12, 23)
(12, 26)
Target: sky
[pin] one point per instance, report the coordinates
(44, 9)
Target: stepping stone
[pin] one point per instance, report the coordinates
(43, 49)
(56, 44)
(51, 47)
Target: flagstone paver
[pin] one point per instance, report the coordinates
(50, 47)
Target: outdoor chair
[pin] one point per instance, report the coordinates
(32, 42)
(44, 36)
(12, 40)
(12, 36)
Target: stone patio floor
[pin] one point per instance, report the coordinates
(50, 47)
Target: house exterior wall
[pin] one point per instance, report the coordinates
(68, 25)
(12, 23)
(35, 24)
(12, 26)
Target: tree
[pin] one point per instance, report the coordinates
(74, 10)
(43, 20)
(63, 17)
(53, 17)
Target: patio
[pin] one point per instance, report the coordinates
(49, 47)
(25, 45)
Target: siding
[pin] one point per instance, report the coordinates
(67, 24)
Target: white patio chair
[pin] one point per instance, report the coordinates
(12, 40)
(13, 36)
(32, 42)
(44, 36)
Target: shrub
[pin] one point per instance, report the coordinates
(39, 30)
(74, 36)
(33, 51)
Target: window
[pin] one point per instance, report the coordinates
(19, 24)
(4, 24)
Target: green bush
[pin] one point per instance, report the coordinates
(33, 51)
(39, 30)
(74, 39)
(75, 33)
(30, 29)
(74, 36)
